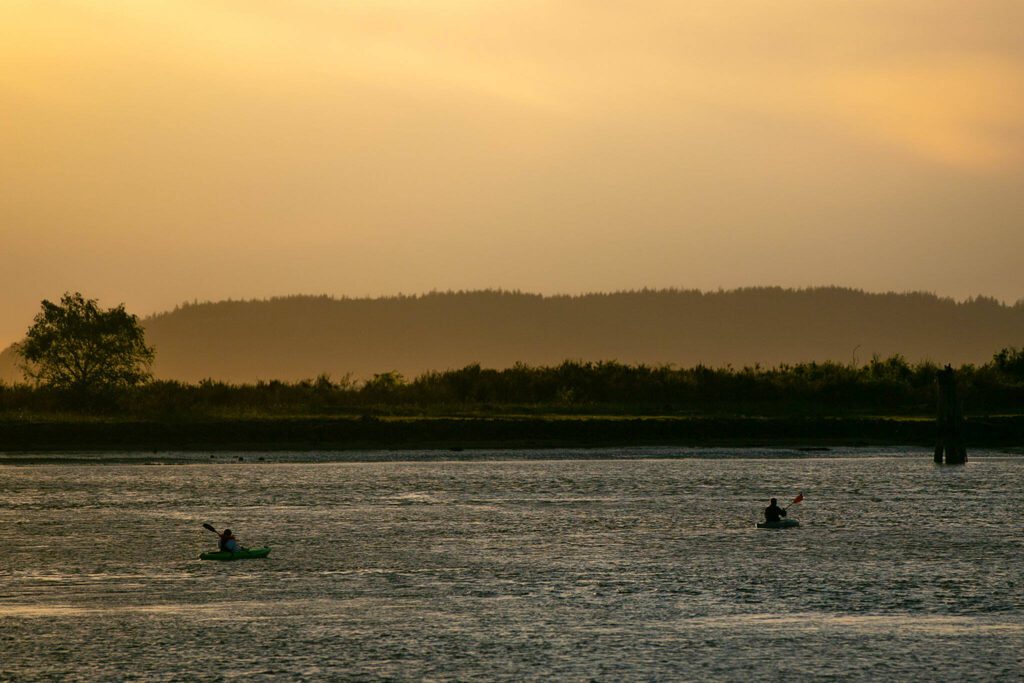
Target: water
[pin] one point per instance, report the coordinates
(599, 569)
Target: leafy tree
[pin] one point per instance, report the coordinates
(1010, 361)
(384, 386)
(77, 346)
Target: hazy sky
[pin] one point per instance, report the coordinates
(153, 152)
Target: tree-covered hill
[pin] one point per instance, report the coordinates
(298, 337)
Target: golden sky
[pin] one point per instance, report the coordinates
(157, 151)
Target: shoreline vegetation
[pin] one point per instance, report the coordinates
(571, 405)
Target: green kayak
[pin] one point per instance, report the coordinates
(246, 554)
(781, 524)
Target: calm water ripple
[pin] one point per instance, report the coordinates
(600, 569)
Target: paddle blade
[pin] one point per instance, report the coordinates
(207, 526)
(798, 499)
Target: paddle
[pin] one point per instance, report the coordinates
(798, 499)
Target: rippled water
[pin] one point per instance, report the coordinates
(605, 569)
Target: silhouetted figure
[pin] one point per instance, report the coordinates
(773, 513)
(228, 542)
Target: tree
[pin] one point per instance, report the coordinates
(383, 385)
(1010, 362)
(77, 346)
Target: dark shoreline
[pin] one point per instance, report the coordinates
(456, 434)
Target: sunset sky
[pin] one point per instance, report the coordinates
(153, 152)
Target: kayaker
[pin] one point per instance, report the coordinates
(228, 542)
(773, 513)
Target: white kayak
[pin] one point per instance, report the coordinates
(781, 524)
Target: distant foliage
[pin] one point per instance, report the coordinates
(1011, 363)
(78, 347)
(883, 386)
(293, 338)
(383, 385)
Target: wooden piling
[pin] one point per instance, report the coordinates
(950, 421)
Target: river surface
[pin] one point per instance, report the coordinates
(625, 566)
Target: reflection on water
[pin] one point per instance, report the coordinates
(619, 569)
(865, 623)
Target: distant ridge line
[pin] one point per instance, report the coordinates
(401, 296)
(297, 337)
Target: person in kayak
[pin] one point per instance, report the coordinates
(773, 513)
(228, 543)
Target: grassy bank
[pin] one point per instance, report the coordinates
(346, 433)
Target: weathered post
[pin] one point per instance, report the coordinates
(950, 421)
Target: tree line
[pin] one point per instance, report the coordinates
(883, 386)
(300, 337)
(81, 358)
